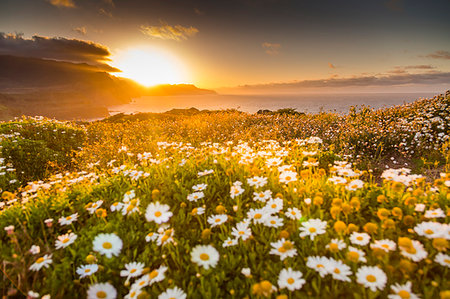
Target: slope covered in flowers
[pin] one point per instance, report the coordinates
(243, 216)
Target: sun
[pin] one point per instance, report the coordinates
(149, 66)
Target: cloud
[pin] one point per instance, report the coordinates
(439, 55)
(165, 31)
(360, 81)
(105, 13)
(80, 30)
(56, 48)
(199, 12)
(404, 69)
(271, 48)
(110, 2)
(62, 3)
(331, 66)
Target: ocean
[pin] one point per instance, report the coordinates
(308, 103)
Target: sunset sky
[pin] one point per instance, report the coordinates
(216, 44)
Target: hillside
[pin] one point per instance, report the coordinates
(218, 204)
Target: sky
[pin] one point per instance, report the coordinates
(248, 43)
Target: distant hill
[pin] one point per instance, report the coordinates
(66, 90)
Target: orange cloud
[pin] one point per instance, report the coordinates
(165, 31)
(62, 3)
(271, 48)
(80, 30)
(331, 66)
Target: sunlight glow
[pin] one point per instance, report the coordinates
(149, 66)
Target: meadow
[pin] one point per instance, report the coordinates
(226, 204)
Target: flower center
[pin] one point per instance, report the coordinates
(158, 214)
(217, 219)
(429, 232)
(87, 270)
(273, 206)
(66, 240)
(258, 216)
(404, 294)
(312, 229)
(337, 271)
(447, 261)
(411, 250)
(359, 238)
(101, 294)
(290, 280)
(385, 246)
(288, 178)
(153, 274)
(107, 245)
(68, 217)
(204, 257)
(39, 260)
(371, 278)
(133, 270)
(273, 222)
(320, 266)
(241, 233)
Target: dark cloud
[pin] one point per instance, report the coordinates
(104, 12)
(271, 48)
(360, 81)
(439, 55)
(57, 48)
(404, 69)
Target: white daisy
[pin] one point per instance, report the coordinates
(173, 293)
(94, 206)
(339, 270)
(436, 213)
(371, 277)
(319, 263)
(129, 195)
(132, 269)
(87, 270)
(356, 255)
(117, 206)
(292, 280)
(283, 248)
(107, 244)
(134, 293)
(241, 231)
(130, 207)
(430, 230)
(402, 291)
(65, 240)
(157, 275)
(359, 238)
(354, 185)
(215, 220)
(257, 215)
(336, 245)
(199, 187)
(287, 177)
(141, 282)
(205, 256)
(293, 213)
(416, 252)
(312, 228)
(151, 236)
(257, 181)
(229, 242)
(44, 261)
(273, 221)
(272, 162)
(386, 245)
(274, 205)
(195, 196)
(68, 220)
(262, 195)
(236, 190)
(442, 259)
(101, 291)
(158, 213)
(35, 249)
(198, 211)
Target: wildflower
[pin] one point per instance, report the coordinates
(68, 220)
(335, 245)
(420, 207)
(288, 176)
(65, 240)
(229, 242)
(130, 207)
(257, 181)
(359, 238)
(430, 230)
(205, 256)
(440, 244)
(9, 229)
(198, 211)
(293, 213)
(87, 270)
(274, 205)
(236, 190)
(402, 291)
(241, 231)
(262, 196)
(257, 215)
(320, 264)
(283, 248)
(44, 261)
(48, 222)
(271, 162)
(442, 259)
(416, 252)
(151, 236)
(215, 220)
(174, 292)
(246, 272)
(129, 195)
(307, 201)
(158, 213)
(101, 291)
(94, 206)
(354, 185)
(117, 206)
(386, 245)
(371, 277)
(312, 228)
(355, 255)
(32, 294)
(132, 269)
(264, 288)
(165, 237)
(205, 172)
(107, 244)
(35, 249)
(436, 213)
(338, 270)
(340, 226)
(199, 187)
(195, 196)
(292, 280)
(133, 293)
(157, 274)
